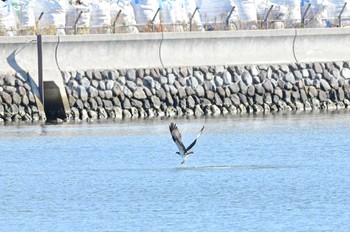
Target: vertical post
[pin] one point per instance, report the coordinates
(40, 67)
(154, 18)
(304, 15)
(116, 19)
(76, 22)
(229, 16)
(192, 16)
(340, 14)
(267, 16)
(37, 22)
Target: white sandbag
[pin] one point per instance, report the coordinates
(173, 14)
(73, 13)
(126, 20)
(26, 15)
(190, 6)
(294, 10)
(145, 11)
(279, 10)
(100, 14)
(246, 10)
(317, 15)
(7, 18)
(216, 11)
(334, 9)
(54, 13)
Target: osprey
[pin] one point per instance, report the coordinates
(176, 135)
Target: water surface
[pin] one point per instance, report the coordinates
(283, 172)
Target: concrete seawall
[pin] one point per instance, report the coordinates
(207, 90)
(213, 61)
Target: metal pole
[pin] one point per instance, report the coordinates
(40, 67)
(154, 18)
(37, 22)
(267, 15)
(76, 22)
(229, 16)
(116, 19)
(40, 16)
(304, 15)
(192, 18)
(340, 14)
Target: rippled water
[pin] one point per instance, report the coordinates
(284, 172)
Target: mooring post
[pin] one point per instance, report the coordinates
(39, 43)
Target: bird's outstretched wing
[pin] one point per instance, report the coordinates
(194, 142)
(176, 135)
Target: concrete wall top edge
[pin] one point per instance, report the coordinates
(178, 35)
(111, 37)
(16, 39)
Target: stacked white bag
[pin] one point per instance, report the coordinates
(83, 22)
(145, 10)
(246, 10)
(334, 9)
(100, 15)
(126, 20)
(217, 11)
(26, 15)
(317, 14)
(54, 14)
(190, 6)
(173, 15)
(7, 19)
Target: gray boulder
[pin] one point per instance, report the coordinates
(126, 104)
(139, 93)
(155, 102)
(243, 87)
(16, 98)
(200, 91)
(171, 78)
(83, 95)
(324, 85)
(346, 73)
(227, 78)
(199, 76)
(131, 74)
(268, 86)
(289, 77)
(149, 82)
(247, 78)
(235, 99)
(251, 90)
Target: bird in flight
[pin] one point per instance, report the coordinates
(176, 135)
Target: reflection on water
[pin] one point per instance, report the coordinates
(284, 172)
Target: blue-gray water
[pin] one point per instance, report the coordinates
(281, 172)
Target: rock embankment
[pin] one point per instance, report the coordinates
(17, 100)
(207, 90)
